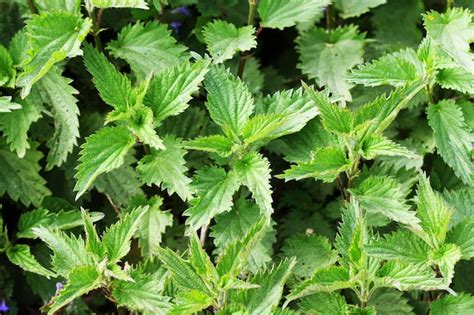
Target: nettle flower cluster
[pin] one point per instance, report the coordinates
(198, 125)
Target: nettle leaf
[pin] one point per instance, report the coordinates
(15, 124)
(20, 178)
(80, 281)
(117, 237)
(374, 145)
(140, 123)
(148, 48)
(453, 138)
(254, 172)
(72, 6)
(224, 39)
(280, 13)
(152, 226)
(324, 303)
(56, 91)
(434, 213)
(200, 260)
(462, 303)
(461, 200)
(327, 163)
(384, 195)
(396, 69)
(114, 87)
(21, 256)
(446, 257)
(102, 152)
(452, 32)
(462, 235)
(216, 144)
(7, 71)
(170, 90)
(323, 280)
(456, 79)
(6, 104)
(139, 4)
(327, 56)
(265, 298)
(233, 225)
(166, 168)
(350, 235)
(390, 301)
(311, 252)
(215, 189)
(230, 103)
(52, 37)
(354, 8)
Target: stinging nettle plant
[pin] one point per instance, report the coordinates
(241, 157)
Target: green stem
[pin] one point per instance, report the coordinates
(96, 20)
(31, 5)
(250, 20)
(429, 92)
(449, 4)
(330, 17)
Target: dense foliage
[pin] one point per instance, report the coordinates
(236, 157)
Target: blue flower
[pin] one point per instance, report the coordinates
(175, 25)
(183, 11)
(4, 306)
(59, 287)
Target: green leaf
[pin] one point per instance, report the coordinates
(143, 294)
(56, 91)
(330, 303)
(384, 195)
(6, 104)
(139, 4)
(69, 252)
(266, 298)
(80, 281)
(453, 138)
(351, 238)
(117, 237)
(71, 6)
(191, 302)
(52, 38)
(216, 144)
(215, 189)
(7, 72)
(446, 257)
(280, 13)
(461, 200)
(311, 252)
(170, 91)
(229, 101)
(462, 235)
(166, 168)
(254, 172)
(326, 165)
(102, 152)
(323, 280)
(375, 145)
(140, 122)
(234, 225)
(20, 178)
(327, 56)
(400, 245)
(200, 260)
(148, 48)
(235, 256)
(93, 242)
(405, 276)
(15, 125)
(223, 39)
(152, 226)
(114, 87)
(456, 79)
(389, 302)
(334, 118)
(396, 69)
(354, 8)
(433, 212)
(463, 303)
(21, 256)
(452, 32)
(183, 273)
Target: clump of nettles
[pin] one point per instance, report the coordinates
(222, 179)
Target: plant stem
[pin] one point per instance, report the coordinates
(96, 20)
(449, 4)
(250, 19)
(341, 188)
(203, 234)
(31, 5)
(330, 18)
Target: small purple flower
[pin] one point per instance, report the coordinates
(4, 306)
(183, 11)
(59, 287)
(175, 25)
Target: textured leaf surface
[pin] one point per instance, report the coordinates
(7, 72)
(223, 39)
(21, 256)
(353, 8)
(462, 303)
(140, 4)
(462, 235)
